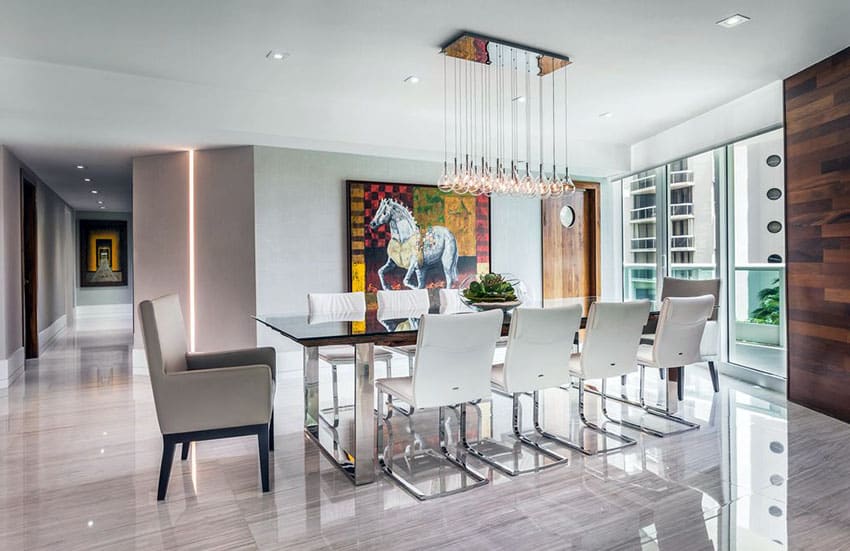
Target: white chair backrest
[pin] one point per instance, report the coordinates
(454, 357)
(336, 303)
(540, 342)
(409, 301)
(680, 327)
(164, 334)
(450, 302)
(612, 339)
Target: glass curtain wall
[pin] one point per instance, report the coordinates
(641, 239)
(670, 227)
(757, 246)
(691, 195)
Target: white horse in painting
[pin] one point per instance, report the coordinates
(409, 249)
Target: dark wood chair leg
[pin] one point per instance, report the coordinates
(271, 432)
(263, 442)
(680, 384)
(661, 374)
(715, 379)
(168, 445)
(184, 450)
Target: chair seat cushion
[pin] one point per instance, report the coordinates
(341, 354)
(644, 355)
(398, 387)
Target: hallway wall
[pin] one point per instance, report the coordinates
(55, 265)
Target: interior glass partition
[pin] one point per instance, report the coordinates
(757, 247)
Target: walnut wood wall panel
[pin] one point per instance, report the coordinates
(817, 173)
(571, 255)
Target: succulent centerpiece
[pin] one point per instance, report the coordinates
(490, 291)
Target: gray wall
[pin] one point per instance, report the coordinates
(10, 255)
(224, 248)
(224, 241)
(98, 296)
(301, 234)
(55, 255)
(160, 231)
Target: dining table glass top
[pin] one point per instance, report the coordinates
(307, 329)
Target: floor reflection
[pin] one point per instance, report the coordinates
(81, 451)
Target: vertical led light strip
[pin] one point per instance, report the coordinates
(191, 250)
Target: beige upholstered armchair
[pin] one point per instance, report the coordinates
(205, 396)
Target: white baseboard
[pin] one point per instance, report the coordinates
(140, 362)
(46, 336)
(11, 368)
(103, 310)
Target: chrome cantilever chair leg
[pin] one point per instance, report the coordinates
(652, 410)
(596, 428)
(475, 449)
(385, 455)
(333, 422)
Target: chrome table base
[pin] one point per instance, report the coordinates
(359, 461)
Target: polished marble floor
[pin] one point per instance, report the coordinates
(80, 448)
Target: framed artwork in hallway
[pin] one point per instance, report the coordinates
(410, 236)
(103, 253)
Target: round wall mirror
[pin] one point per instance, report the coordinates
(568, 216)
(773, 160)
(774, 193)
(774, 259)
(774, 226)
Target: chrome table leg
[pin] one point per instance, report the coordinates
(364, 404)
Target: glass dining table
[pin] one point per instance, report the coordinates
(352, 448)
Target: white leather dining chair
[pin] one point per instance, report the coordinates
(612, 337)
(327, 307)
(452, 367)
(537, 357)
(678, 335)
(710, 343)
(411, 304)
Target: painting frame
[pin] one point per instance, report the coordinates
(355, 219)
(88, 229)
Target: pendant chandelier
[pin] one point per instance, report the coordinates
(500, 93)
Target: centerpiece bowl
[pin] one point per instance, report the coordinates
(484, 292)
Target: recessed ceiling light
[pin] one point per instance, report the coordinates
(86, 179)
(94, 191)
(81, 167)
(412, 79)
(519, 99)
(102, 207)
(277, 55)
(606, 115)
(733, 21)
(100, 203)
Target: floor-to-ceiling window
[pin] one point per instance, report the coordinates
(756, 202)
(640, 237)
(671, 227)
(692, 208)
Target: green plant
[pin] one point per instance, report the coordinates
(490, 288)
(767, 312)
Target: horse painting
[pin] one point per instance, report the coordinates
(413, 250)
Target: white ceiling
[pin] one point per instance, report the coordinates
(101, 81)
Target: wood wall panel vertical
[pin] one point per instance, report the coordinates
(817, 171)
(571, 255)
